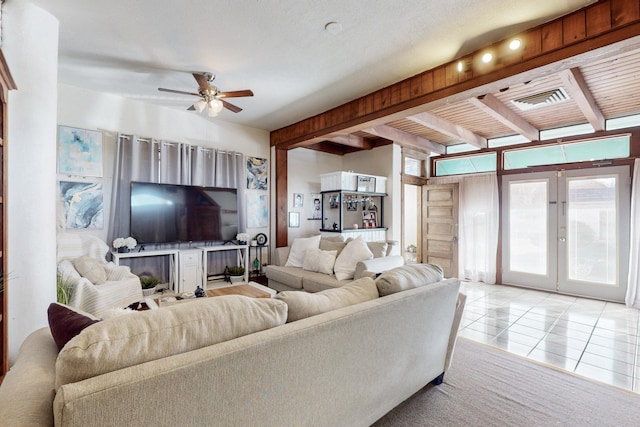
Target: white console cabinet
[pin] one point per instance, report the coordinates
(189, 266)
(190, 270)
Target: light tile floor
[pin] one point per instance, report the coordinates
(593, 338)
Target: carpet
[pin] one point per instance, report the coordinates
(486, 386)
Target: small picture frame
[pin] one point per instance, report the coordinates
(298, 200)
(369, 219)
(333, 201)
(294, 219)
(366, 184)
(352, 203)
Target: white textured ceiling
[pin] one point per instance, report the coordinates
(278, 48)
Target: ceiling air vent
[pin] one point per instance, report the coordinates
(541, 99)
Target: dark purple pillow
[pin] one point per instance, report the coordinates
(65, 323)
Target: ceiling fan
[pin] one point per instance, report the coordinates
(211, 97)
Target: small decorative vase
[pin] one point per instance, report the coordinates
(242, 242)
(123, 250)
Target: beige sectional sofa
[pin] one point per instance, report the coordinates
(349, 358)
(285, 277)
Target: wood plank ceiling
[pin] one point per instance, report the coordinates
(599, 84)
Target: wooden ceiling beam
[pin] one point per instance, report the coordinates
(405, 139)
(496, 109)
(577, 88)
(448, 128)
(352, 141)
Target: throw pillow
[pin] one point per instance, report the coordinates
(90, 268)
(408, 277)
(299, 250)
(303, 304)
(66, 322)
(329, 245)
(124, 341)
(355, 251)
(379, 249)
(319, 261)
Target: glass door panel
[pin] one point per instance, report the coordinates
(528, 212)
(594, 230)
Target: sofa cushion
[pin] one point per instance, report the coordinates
(299, 249)
(125, 341)
(66, 322)
(319, 261)
(90, 268)
(329, 245)
(356, 250)
(408, 277)
(378, 249)
(316, 282)
(303, 304)
(290, 276)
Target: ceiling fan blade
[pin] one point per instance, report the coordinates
(235, 93)
(203, 83)
(192, 108)
(161, 89)
(230, 106)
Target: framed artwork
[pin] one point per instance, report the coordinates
(294, 219)
(369, 219)
(83, 204)
(298, 200)
(257, 211)
(367, 184)
(256, 173)
(316, 207)
(79, 152)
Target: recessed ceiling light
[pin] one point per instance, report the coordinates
(333, 28)
(515, 44)
(487, 57)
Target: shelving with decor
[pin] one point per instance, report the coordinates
(356, 207)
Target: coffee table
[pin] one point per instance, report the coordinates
(251, 289)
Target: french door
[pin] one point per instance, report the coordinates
(567, 231)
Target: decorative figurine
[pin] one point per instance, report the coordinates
(199, 292)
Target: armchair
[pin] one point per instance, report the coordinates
(96, 285)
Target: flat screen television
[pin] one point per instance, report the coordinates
(167, 213)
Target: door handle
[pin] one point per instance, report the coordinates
(454, 239)
(563, 239)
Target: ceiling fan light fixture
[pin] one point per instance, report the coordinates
(200, 105)
(216, 105)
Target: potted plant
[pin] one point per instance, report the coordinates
(236, 273)
(148, 284)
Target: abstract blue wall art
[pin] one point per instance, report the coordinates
(256, 173)
(79, 152)
(257, 211)
(83, 204)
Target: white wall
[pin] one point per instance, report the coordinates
(305, 167)
(30, 45)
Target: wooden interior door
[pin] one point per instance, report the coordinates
(440, 227)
